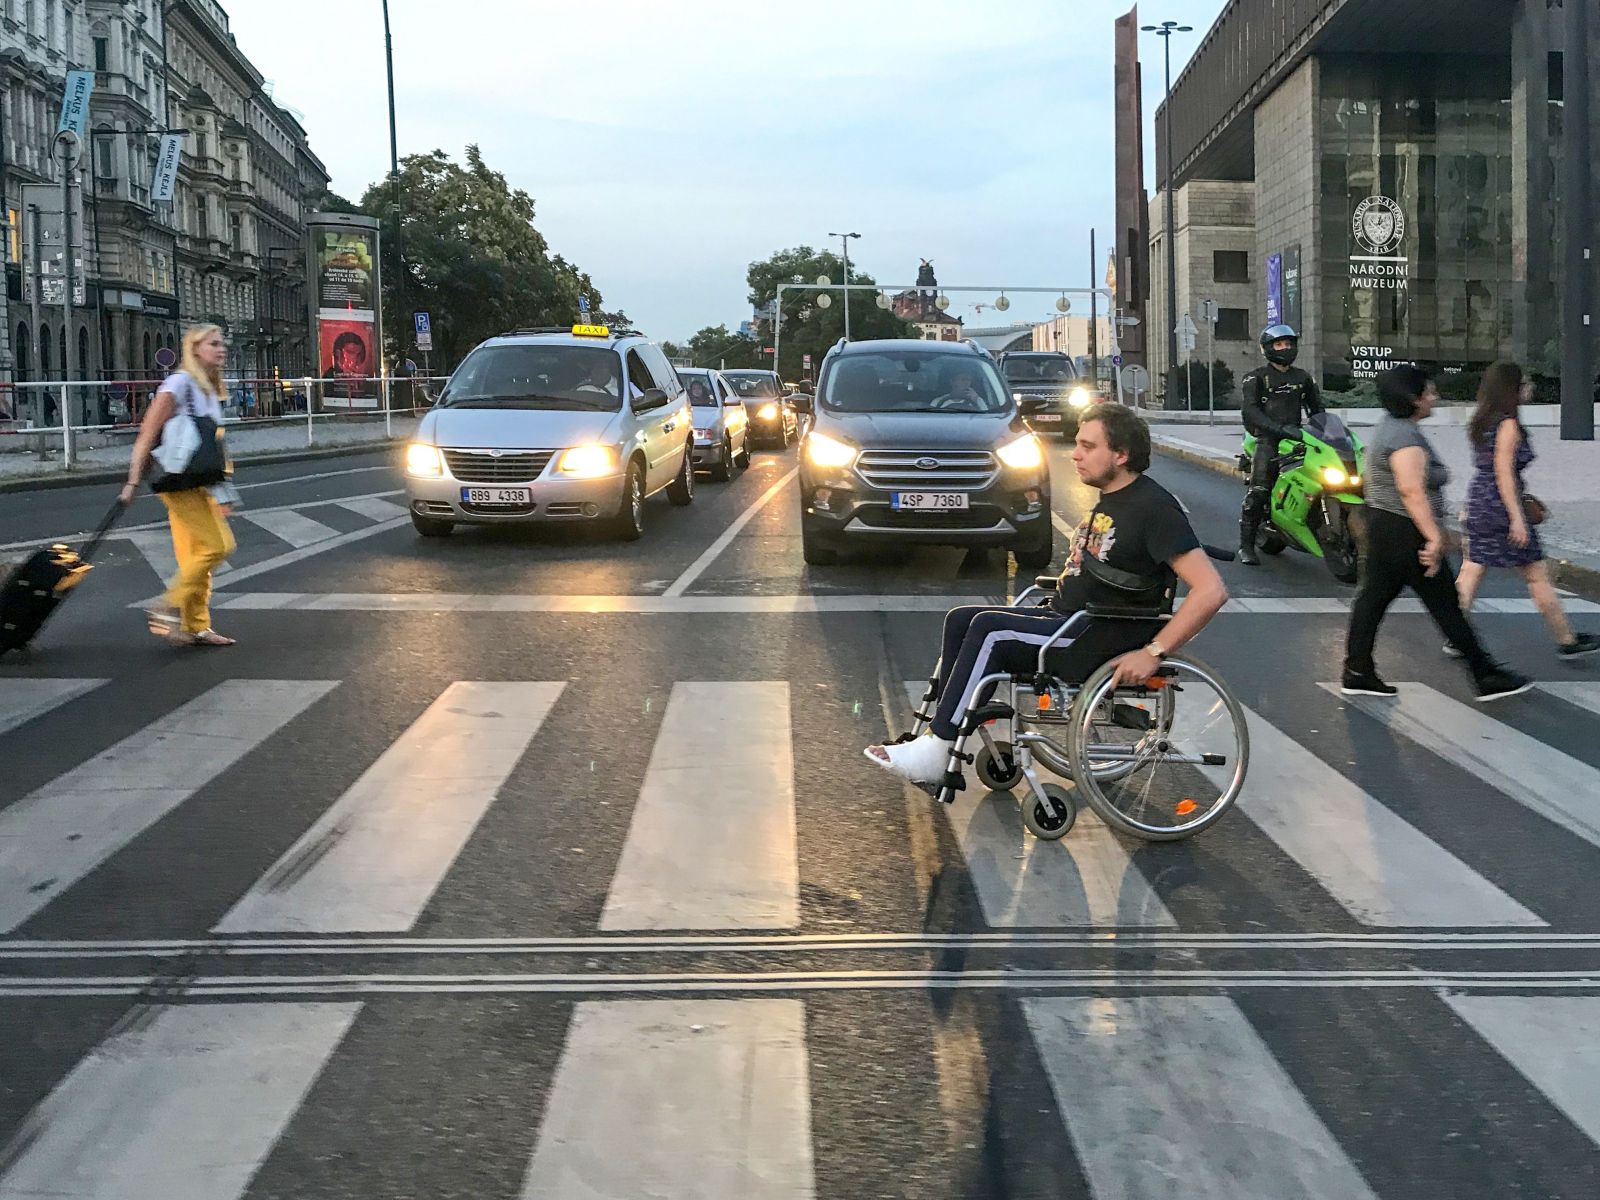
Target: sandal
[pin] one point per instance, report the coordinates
(210, 637)
(162, 621)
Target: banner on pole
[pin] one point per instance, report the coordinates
(165, 179)
(75, 102)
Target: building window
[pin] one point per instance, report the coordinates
(14, 234)
(200, 217)
(1230, 266)
(102, 54)
(236, 230)
(1233, 324)
(102, 157)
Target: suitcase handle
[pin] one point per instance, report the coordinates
(110, 519)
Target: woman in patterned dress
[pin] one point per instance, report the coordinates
(1498, 533)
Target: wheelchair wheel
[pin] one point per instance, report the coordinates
(998, 771)
(1052, 823)
(1168, 775)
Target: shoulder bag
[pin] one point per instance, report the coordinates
(190, 453)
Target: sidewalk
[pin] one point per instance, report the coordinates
(275, 440)
(1566, 475)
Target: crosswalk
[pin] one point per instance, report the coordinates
(1155, 1065)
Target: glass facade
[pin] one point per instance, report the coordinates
(1415, 213)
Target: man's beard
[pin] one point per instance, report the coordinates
(1098, 481)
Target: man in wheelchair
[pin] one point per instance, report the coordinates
(1124, 560)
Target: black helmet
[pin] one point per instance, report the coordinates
(1277, 333)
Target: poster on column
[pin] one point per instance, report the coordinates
(345, 270)
(346, 358)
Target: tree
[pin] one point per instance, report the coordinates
(716, 346)
(808, 328)
(1198, 384)
(471, 255)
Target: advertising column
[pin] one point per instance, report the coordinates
(346, 307)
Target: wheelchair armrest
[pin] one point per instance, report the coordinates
(1117, 612)
(1047, 582)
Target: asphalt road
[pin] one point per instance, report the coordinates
(525, 863)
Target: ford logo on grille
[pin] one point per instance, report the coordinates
(496, 453)
(927, 464)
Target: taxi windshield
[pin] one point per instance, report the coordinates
(537, 376)
(700, 392)
(914, 381)
(752, 385)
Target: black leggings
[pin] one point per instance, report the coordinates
(1392, 566)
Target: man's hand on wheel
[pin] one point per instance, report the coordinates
(1135, 667)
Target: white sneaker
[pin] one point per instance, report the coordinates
(921, 760)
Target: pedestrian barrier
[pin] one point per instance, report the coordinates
(31, 412)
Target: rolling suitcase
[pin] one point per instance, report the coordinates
(39, 584)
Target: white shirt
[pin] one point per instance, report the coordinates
(191, 396)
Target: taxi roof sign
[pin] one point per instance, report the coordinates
(599, 331)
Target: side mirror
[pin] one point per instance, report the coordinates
(732, 402)
(652, 399)
(802, 402)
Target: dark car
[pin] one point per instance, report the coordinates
(920, 442)
(772, 416)
(1049, 389)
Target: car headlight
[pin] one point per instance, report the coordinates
(1023, 453)
(423, 459)
(1334, 477)
(587, 462)
(1080, 398)
(824, 451)
(767, 412)
(1017, 396)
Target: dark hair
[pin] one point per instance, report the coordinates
(1499, 397)
(1126, 433)
(1399, 388)
(349, 338)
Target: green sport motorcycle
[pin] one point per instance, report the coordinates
(1315, 500)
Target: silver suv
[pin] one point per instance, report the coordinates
(557, 425)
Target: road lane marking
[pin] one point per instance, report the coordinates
(374, 508)
(712, 841)
(616, 983)
(1087, 878)
(1379, 867)
(1156, 1089)
(290, 526)
(1584, 694)
(374, 859)
(513, 603)
(21, 700)
(121, 532)
(57, 834)
(1552, 1041)
(188, 1104)
(1022, 941)
(711, 1099)
(682, 582)
(1537, 776)
(290, 557)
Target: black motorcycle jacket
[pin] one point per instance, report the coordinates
(1275, 402)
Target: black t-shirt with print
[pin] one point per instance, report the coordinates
(1139, 528)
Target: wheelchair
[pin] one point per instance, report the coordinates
(1160, 760)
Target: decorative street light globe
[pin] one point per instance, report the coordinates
(942, 303)
(883, 299)
(1063, 305)
(824, 300)
(1002, 303)
(824, 281)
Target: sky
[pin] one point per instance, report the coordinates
(669, 143)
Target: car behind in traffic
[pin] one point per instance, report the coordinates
(721, 424)
(772, 413)
(1049, 390)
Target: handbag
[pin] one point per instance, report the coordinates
(190, 453)
(1535, 510)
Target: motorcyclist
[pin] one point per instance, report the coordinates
(1278, 396)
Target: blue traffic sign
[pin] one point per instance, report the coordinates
(1116, 360)
(583, 304)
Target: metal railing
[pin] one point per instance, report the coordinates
(31, 414)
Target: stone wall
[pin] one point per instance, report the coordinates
(1288, 150)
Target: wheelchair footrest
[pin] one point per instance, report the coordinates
(1214, 760)
(1131, 716)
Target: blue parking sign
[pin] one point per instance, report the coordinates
(424, 330)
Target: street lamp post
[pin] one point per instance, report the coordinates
(1164, 31)
(394, 169)
(844, 241)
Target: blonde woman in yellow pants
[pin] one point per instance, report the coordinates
(200, 535)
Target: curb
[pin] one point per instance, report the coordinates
(1577, 578)
(75, 478)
